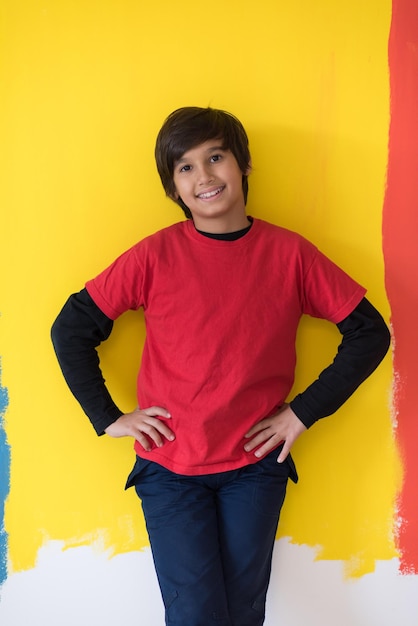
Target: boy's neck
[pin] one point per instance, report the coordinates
(234, 236)
(222, 226)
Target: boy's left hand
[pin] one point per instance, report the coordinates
(284, 426)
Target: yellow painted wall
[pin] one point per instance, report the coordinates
(85, 86)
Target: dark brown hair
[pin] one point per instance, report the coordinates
(187, 128)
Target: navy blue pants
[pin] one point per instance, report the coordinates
(212, 538)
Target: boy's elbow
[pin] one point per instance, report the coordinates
(386, 340)
(382, 341)
(59, 335)
(55, 335)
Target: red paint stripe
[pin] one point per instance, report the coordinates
(400, 247)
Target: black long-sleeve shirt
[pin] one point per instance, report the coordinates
(82, 326)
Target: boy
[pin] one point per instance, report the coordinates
(222, 295)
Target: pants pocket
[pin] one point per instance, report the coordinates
(138, 468)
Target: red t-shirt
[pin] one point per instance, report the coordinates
(221, 320)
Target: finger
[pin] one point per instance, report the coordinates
(266, 448)
(256, 441)
(283, 453)
(268, 444)
(148, 438)
(257, 428)
(156, 410)
(143, 441)
(155, 430)
(160, 427)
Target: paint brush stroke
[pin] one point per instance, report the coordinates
(400, 230)
(4, 481)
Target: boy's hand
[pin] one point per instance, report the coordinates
(284, 426)
(144, 425)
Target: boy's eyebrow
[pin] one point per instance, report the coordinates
(212, 148)
(183, 159)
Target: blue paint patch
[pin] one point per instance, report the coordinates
(4, 480)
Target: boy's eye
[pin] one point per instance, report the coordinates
(185, 168)
(215, 157)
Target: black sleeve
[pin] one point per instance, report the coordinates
(79, 328)
(365, 341)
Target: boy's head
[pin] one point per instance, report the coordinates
(189, 127)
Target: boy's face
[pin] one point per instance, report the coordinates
(209, 181)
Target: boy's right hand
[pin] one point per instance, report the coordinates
(145, 425)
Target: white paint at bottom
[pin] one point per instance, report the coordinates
(83, 587)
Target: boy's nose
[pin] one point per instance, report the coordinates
(204, 175)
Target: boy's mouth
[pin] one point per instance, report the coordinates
(211, 194)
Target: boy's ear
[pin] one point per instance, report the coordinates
(249, 169)
(174, 196)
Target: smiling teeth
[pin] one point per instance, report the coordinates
(210, 194)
